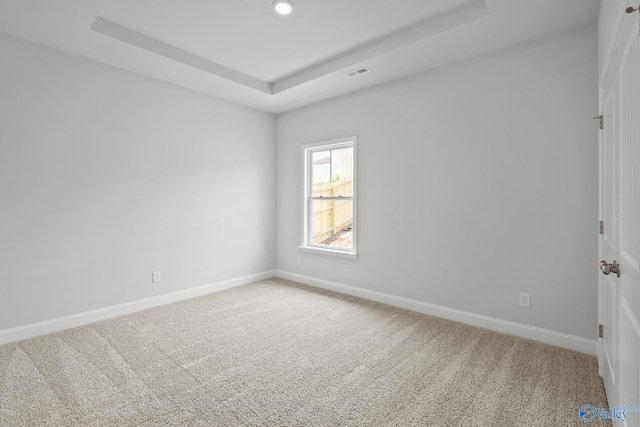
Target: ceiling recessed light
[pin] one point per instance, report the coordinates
(283, 7)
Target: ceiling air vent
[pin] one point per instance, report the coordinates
(357, 72)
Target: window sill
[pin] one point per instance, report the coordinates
(341, 254)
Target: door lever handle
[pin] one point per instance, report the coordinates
(607, 268)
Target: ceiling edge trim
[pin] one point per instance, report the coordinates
(132, 37)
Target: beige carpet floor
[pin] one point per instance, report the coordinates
(277, 353)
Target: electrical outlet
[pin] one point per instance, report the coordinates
(156, 276)
(525, 300)
(298, 259)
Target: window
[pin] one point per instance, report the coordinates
(329, 202)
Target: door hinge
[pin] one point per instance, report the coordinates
(600, 121)
(601, 227)
(600, 331)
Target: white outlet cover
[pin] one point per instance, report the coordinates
(156, 276)
(525, 300)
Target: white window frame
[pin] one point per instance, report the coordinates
(307, 243)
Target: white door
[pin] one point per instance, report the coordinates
(609, 241)
(620, 196)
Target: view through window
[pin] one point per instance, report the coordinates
(330, 196)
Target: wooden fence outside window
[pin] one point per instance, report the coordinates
(332, 216)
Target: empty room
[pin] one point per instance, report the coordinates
(319, 213)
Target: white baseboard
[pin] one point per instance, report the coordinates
(560, 339)
(40, 328)
(547, 336)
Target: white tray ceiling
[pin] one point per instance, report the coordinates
(242, 51)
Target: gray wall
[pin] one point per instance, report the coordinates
(475, 183)
(106, 176)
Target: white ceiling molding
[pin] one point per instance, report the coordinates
(127, 35)
(468, 12)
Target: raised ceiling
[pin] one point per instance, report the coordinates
(242, 51)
